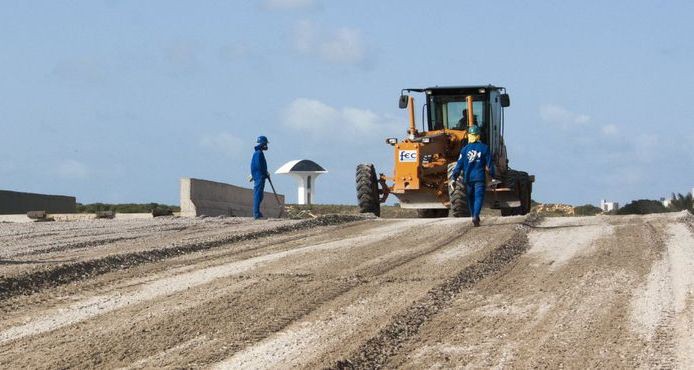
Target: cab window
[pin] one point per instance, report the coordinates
(450, 112)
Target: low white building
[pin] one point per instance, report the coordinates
(608, 206)
(666, 201)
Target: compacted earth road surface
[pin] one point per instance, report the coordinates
(349, 292)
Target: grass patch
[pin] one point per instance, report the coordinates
(126, 208)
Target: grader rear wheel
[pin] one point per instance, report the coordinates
(526, 189)
(525, 195)
(367, 190)
(520, 181)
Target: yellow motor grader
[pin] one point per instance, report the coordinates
(425, 159)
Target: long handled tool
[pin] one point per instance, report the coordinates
(276, 197)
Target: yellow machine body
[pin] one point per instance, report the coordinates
(421, 168)
(423, 161)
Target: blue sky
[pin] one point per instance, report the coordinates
(114, 101)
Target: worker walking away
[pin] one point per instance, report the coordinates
(474, 161)
(259, 174)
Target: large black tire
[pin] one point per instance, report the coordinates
(520, 181)
(432, 213)
(509, 211)
(457, 196)
(525, 191)
(367, 190)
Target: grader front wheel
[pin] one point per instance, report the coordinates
(459, 207)
(367, 190)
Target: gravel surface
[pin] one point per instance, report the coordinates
(349, 292)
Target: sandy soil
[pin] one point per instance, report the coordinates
(349, 293)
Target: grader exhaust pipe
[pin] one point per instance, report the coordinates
(470, 113)
(412, 131)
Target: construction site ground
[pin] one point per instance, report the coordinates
(349, 292)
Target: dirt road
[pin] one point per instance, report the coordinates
(349, 292)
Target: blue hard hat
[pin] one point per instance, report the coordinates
(473, 130)
(262, 140)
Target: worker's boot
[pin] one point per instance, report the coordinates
(476, 221)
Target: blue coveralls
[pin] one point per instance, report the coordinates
(473, 160)
(259, 173)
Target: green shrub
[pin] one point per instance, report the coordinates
(642, 207)
(587, 210)
(126, 208)
(681, 202)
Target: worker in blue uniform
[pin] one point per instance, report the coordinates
(474, 161)
(259, 174)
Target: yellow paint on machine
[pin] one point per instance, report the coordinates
(407, 169)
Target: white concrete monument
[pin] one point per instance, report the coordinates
(305, 171)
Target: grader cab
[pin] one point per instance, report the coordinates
(426, 157)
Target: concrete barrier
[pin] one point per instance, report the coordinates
(14, 202)
(210, 198)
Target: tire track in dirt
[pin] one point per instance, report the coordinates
(495, 296)
(376, 351)
(652, 312)
(688, 220)
(67, 242)
(321, 290)
(71, 272)
(335, 329)
(63, 237)
(126, 280)
(85, 244)
(663, 307)
(100, 305)
(540, 315)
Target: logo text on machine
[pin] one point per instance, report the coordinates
(407, 155)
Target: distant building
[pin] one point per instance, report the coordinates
(666, 201)
(608, 206)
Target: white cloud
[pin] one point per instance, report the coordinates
(343, 46)
(304, 36)
(559, 115)
(364, 120)
(609, 130)
(307, 114)
(224, 143)
(288, 4)
(320, 119)
(72, 169)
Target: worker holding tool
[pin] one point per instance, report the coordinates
(259, 174)
(474, 161)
